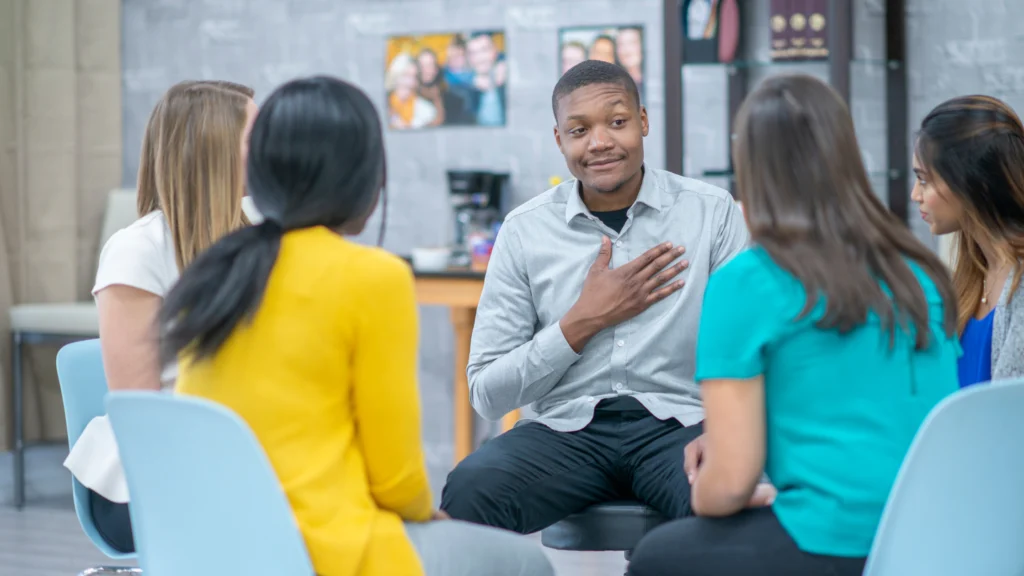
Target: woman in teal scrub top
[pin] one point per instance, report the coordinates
(969, 162)
(822, 348)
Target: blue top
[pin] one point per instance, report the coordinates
(976, 364)
(841, 409)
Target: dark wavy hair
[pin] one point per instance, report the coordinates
(316, 158)
(808, 202)
(976, 146)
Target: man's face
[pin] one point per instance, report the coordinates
(600, 131)
(603, 50)
(481, 54)
(456, 57)
(630, 48)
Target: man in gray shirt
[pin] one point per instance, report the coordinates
(589, 314)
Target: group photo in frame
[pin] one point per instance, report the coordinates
(622, 45)
(453, 79)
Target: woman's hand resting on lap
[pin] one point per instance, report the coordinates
(764, 493)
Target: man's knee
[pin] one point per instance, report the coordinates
(479, 493)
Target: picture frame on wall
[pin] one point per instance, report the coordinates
(622, 45)
(450, 79)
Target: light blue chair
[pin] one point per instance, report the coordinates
(83, 386)
(205, 500)
(957, 506)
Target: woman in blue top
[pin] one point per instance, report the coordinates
(969, 163)
(821, 350)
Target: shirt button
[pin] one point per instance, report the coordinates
(590, 399)
(618, 243)
(618, 385)
(620, 343)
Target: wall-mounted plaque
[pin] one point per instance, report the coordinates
(779, 22)
(799, 29)
(817, 29)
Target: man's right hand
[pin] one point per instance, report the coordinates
(610, 297)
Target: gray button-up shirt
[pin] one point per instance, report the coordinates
(519, 355)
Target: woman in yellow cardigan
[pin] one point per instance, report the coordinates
(312, 340)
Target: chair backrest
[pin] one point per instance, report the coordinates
(83, 387)
(249, 208)
(205, 499)
(121, 211)
(957, 506)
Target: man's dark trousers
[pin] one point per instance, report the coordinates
(532, 476)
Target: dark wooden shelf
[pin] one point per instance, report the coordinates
(839, 64)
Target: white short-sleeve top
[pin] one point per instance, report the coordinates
(140, 256)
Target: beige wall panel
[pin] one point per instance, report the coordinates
(50, 33)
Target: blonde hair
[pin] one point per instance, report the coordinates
(195, 164)
(401, 62)
(147, 200)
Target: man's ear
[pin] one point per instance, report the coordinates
(558, 138)
(643, 120)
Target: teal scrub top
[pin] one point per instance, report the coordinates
(841, 409)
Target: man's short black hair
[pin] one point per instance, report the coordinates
(590, 72)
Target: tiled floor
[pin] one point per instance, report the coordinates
(44, 539)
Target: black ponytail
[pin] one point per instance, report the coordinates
(222, 288)
(316, 158)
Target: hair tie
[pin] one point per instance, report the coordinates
(271, 226)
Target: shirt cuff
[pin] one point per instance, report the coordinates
(554, 348)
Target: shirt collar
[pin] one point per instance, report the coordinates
(650, 195)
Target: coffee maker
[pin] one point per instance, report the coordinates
(476, 198)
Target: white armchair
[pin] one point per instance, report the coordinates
(947, 249)
(250, 210)
(56, 324)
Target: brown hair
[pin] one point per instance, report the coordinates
(975, 144)
(147, 199)
(808, 202)
(197, 170)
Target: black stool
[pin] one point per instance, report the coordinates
(611, 526)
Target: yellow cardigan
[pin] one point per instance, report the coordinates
(326, 377)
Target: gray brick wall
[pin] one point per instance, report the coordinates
(265, 42)
(954, 47)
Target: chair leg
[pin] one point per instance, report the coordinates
(19, 425)
(111, 570)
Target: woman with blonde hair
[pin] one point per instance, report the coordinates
(406, 107)
(311, 338)
(146, 196)
(969, 163)
(192, 161)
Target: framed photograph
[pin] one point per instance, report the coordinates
(622, 45)
(456, 79)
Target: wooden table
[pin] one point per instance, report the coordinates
(459, 290)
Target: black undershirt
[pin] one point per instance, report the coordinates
(614, 219)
